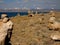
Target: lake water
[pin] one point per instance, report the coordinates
(10, 14)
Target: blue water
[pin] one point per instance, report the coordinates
(10, 14)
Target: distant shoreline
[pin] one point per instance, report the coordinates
(25, 10)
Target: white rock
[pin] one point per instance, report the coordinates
(55, 36)
(3, 15)
(52, 19)
(9, 24)
(4, 28)
(5, 20)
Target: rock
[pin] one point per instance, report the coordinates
(9, 24)
(52, 19)
(3, 32)
(5, 25)
(31, 15)
(3, 15)
(55, 25)
(5, 20)
(55, 36)
(52, 13)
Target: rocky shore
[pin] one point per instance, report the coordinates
(32, 31)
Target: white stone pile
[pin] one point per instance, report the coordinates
(54, 25)
(5, 25)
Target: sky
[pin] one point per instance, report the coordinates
(30, 4)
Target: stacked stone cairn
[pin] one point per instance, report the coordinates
(5, 25)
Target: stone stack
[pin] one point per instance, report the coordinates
(6, 24)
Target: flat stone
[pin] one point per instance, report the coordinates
(55, 36)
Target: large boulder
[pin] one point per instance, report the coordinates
(5, 25)
(3, 32)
